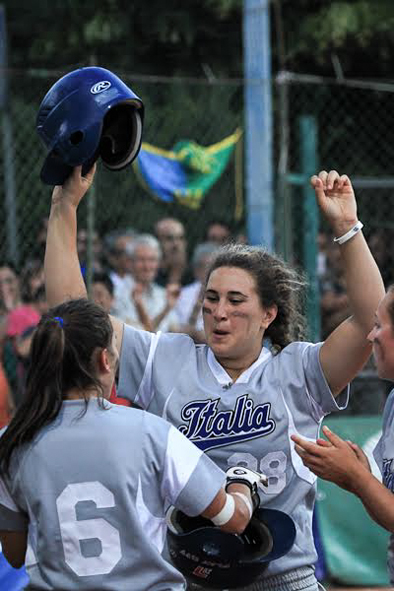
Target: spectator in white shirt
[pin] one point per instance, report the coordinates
(147, 305)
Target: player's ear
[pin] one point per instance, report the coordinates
(104, 361)
(269, 315)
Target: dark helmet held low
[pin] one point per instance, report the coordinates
(206, 555)
(89, 114)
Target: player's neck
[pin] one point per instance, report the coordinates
(236, 367)
(75, 394)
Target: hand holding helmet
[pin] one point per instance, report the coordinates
(74, 187)
(216, 559)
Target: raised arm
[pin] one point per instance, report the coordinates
(346, 350)
(63, 277)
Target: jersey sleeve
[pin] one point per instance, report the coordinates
(135, 364)
(11, 518)
(302, 374)
(150, 364)
(190, 479)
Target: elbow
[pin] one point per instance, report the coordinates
(14, 561)
(14, 545)
(17, 564)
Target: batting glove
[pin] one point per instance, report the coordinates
(252, 479)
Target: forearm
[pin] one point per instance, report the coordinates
(347, 349)
(241, 515)
(376, 498)
(63, 277)
(143, 316)
(364, 283)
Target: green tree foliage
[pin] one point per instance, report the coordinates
(152, 37)
(359, 34)
(199, 37)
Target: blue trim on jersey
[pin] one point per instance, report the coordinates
(222, 442)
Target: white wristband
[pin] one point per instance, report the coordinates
(246, 501)
(226, 513)
(352, 232)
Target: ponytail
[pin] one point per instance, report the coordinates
(43, 394)
(61, 359)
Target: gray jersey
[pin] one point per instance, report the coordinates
(384, 456)
(248, 422)
(92, 491)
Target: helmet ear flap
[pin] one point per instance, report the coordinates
(121, 136)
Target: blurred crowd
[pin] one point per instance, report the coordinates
(334, 305)
(369, 393)
(153, 281)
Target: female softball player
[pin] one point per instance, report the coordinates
(82, 510)
(235, 399)
(346, 465)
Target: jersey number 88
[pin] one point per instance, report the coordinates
(272, 465)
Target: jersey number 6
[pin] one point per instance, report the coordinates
(73, 531)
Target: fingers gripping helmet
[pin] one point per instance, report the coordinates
(206, 555)
(87, 114)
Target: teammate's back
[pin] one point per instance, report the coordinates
(96, 516)
(84, 484)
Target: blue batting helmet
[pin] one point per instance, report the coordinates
(87, 114)
(206, 555)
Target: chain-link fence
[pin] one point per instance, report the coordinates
(354, 127)
(175, 109)
(353, 123)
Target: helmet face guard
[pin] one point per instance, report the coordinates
(89, 114)
(215, 559)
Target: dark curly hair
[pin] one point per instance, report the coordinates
(276, 283)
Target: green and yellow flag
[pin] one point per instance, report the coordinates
(187, 172)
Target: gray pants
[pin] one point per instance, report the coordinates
(300, 579)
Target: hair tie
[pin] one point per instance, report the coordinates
(59, 319)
